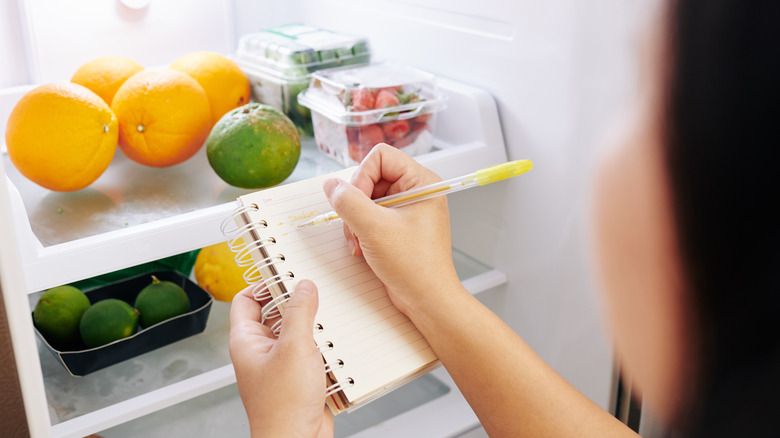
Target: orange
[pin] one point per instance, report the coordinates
(217, 273)
(164, 117)
(105, 75)
(61, 136)
(223, 81)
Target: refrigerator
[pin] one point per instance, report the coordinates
(523, 79)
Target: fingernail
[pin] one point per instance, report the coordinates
(329, 186)
(352, 245)
(306, 287)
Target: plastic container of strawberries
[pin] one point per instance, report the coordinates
(279, 62)
(355, 108)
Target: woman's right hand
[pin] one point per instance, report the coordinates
(409, 248)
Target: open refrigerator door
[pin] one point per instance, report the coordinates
(512, 79)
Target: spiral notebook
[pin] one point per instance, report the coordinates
(368, 346)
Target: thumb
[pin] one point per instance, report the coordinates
(351, 204)
(299, 312)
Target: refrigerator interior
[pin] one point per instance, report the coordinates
(524, 80)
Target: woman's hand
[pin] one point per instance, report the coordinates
(281, 381)
(409, 248)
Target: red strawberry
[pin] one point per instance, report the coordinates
(395, 90)
(368, 137)
(395, 129)
(363, 99)
(371, 135)
(422, 119)
(352, 134)
(385, 99)
(411, 137)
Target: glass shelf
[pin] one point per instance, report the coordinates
(220, 413)
(128, 195)
(134, 214)
(77, 405)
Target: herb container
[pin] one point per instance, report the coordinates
(279, 63)
(355, 108)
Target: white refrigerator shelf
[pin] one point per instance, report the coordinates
(195, 366)
(134, 214)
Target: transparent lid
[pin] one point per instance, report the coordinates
(296, 50)
(372, 93)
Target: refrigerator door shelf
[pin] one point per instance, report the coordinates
(131, 390)
(134, 214)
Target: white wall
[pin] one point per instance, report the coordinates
(62, 35)
(13, 64)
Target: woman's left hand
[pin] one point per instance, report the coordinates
(281, 381)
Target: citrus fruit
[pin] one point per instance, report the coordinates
(253, 146)
(105, 75)
(107, 321)
(226, 86)
(161, 300)
(61, 136)
(57, 314)
(164, 117)
(217, 273)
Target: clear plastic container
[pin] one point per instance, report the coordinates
(355, 108)
(279, 63)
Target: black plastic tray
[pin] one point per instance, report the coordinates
(82, 362)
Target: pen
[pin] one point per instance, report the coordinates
(479, 178)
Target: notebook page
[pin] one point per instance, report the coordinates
(377, 343)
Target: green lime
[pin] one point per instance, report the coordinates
(57, 314)
(106, 321)
(161, 300)
(253, 146)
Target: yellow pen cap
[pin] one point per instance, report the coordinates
(503, 171)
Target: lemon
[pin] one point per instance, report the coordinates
(217, 273)
(107, 321)
(57, 314)
(161, 300)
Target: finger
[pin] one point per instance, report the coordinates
(245, 315)
(299, 312)
(352, 205)
(245, 308)
(387, 170)
(352, 241)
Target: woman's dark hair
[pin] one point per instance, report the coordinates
(722, 148)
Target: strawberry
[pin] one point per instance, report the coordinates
(411, 137)
(352, 134)
(395, 129)
(422, 118)
(368, 137)
(385, 99)
(363, 99)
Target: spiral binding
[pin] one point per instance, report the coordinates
(336, 387)
(276, 329)
(261, 289)
(231, 220)
(254, 273)
(325, 346)
(334, 366)
(244, 255)
(271, 309)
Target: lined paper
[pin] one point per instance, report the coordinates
(379, 345)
